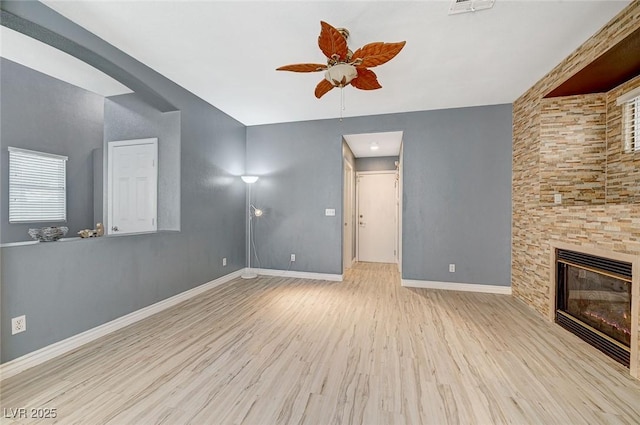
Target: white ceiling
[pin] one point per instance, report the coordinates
(387, 143)
(227, 52)
(33, 54)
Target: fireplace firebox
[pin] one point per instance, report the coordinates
(593, 301)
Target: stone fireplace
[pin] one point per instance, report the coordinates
(593, 301)
(594, 295)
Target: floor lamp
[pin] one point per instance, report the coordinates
(253, 211)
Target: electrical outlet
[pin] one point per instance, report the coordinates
(557, 198)
(18, 324)
(293, 257)
(224, 261)
(452, 268)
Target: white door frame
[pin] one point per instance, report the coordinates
(110, 146)
(397, 223)
(363, 173)
(400, 189)
(348, 215)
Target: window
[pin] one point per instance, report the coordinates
(630, 124)
(37, 186)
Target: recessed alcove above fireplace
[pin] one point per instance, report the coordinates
(595, 295)
(582, 159)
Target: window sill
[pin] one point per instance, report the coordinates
(72, 239)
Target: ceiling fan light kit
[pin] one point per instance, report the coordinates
(345, 67)
(341, 74)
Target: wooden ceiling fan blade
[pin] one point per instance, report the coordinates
(366, 80)
(374, 54)
(303, 67)
(332, 43)
(322, 88)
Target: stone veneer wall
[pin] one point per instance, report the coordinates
(612, 227)
(573, 149)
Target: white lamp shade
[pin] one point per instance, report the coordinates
(341, 74)
(249, 179)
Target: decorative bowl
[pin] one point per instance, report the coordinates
(48, 234)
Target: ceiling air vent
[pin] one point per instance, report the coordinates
(464, 6)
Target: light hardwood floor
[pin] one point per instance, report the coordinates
(363, 351)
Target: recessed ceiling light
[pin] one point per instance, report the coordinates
(374, 146)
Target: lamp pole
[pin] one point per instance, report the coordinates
(249, 274)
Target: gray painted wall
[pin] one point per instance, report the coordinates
(98, 188)
(65, 288)
(300, 169)
(128, 117)
(456, 194)
(44, 114)
(376, 163)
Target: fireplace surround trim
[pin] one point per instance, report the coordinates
(635, 291)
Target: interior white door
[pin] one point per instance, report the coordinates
(377, 217)
(133, 189)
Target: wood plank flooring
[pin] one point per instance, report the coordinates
(363, 351)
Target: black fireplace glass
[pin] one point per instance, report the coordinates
(602, 301)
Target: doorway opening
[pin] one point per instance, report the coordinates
(372, 198)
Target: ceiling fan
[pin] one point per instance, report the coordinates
(343, 66)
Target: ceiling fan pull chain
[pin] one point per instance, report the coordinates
(342, 108)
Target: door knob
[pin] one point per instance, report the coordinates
(115, 229)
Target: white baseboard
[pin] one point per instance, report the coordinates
(49, 352)
(299, 275)
(453, 286)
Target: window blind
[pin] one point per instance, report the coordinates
(630, 124)
(37, 186)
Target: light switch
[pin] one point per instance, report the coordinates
(330, 212)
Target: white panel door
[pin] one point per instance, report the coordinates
(133, 189)
(377, 217)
